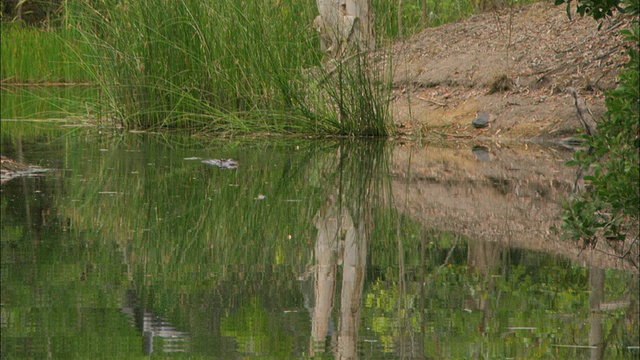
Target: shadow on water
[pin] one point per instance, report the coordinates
(332, 249)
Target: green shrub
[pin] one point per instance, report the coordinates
(609, 208)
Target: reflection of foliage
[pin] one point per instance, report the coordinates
(218, 263)
(533, 306)
(196, 234)
(384, 300)
(250, 327)
(55, 282)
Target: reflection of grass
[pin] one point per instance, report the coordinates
(36, 112)
(196, 226)
(181, 213)
(34, 55)
(55, 283)
(532, 298)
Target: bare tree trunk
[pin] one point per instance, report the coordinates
(19, 12)
(400, 19)
(425, 16)
(345, 26)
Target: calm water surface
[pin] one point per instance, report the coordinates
(132, 247)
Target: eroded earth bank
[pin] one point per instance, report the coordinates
(515, 65)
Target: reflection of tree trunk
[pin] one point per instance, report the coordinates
(423, 279)
(353, 267)
(335, 226)
(484, 258)
(408, 344)
(596, 297)
(328, 226)
(343, 224)
(402, 292)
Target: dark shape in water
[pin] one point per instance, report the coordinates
(481, 121)
(154, 327)
(222, 163)
(10, 169)
(481, 153)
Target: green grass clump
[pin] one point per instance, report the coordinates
(232, 67)
(31, 55)
(236, 67)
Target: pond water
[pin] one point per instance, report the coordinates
(159, 246)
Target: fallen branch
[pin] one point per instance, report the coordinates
(431, 101)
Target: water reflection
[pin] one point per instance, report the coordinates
(353, 250)
(344, 223)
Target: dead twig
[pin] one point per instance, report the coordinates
(563, 51)
(431, 101)
(446, 259)
(584, 114)
(624, 255)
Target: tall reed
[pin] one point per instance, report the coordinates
(228, 67)
(31, 55)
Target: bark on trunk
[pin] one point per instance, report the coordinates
(345, 26)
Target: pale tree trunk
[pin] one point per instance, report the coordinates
(400, 19)
(19, 12)
(345, 26)
(327, 242)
